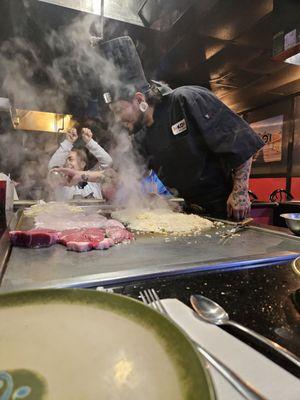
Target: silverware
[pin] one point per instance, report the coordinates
(212, 312)
(237, 228)
(151, 299)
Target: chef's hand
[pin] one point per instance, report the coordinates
(72, 176)
(86, 134)
(238, 205)
(71, 135)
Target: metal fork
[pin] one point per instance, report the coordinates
(151, 299)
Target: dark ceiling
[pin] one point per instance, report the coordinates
(225, 45)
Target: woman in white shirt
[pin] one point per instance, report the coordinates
(76, 159)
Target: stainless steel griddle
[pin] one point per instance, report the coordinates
(147, 256)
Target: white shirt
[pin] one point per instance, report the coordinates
(65, 193)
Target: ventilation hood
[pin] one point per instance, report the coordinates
(286, 46)
(286, 42)
(121, 10)
(154, 14)
(27, 120)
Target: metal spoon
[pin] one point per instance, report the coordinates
(212, 312)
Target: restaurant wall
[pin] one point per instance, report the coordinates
(296, 147)
(279, 125)
(275, 124)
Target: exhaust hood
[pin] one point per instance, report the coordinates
(286, 41)
(121, 10)
(154, 14)
(27, 120)
(286, 46)
(162, 14)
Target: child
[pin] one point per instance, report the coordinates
(66, 156)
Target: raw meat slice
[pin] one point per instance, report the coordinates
(119, 235)
(34, 238)
(104, 244)
(65, 234)
(79, 246)
(20, 238)
(42, 239)
(94, 234)
(113, 223)
(79, 240)
(83, 235)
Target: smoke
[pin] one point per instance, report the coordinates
(130, 174)
(73, 67)
(62, 66)
(131, 193)
(25, 156)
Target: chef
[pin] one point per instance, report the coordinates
(198, 147)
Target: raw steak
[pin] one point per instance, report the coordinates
(119, 234)
(113, 223)
(80, 245)
(74, 239)
(106, 243)
(84, 239)
(83, 235)
(34, 238)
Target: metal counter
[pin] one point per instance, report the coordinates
(147, 256)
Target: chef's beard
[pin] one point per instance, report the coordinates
(139, 124)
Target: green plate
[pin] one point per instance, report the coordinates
(77, 344)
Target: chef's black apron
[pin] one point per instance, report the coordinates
(193, 146)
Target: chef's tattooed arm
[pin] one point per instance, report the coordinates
(238, 203)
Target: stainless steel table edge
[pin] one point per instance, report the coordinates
(289, 235)
(275, 232)
(5, 245)
(105, 279)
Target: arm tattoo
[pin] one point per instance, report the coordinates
(241, 182)
(241, 176)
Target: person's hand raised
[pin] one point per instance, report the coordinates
(72, 135)
(86, 134)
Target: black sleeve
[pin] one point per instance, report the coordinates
(139, 148)
(224, 132)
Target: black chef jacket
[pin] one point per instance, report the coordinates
(194, 144)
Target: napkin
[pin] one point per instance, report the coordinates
(271, 380)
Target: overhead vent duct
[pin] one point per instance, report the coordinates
(155, 14)
(286, 46)
(286, 42)
(163, 14)
(27, 120)
(120, 10)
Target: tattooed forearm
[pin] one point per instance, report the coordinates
(241, 177)
(238, 203)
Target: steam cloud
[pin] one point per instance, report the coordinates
(76, 61)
